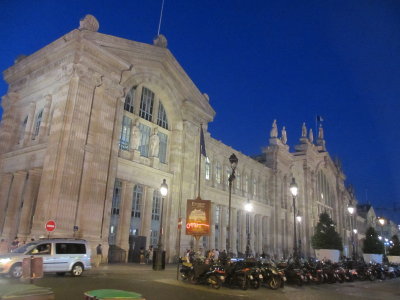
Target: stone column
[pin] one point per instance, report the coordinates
(45, 118)
(147, 211)
(212, 233)
(234, 230)
(125, 216)
(243, 219)
(223, 226)
(28, 203)
(252, 237)
(260, 234)
(66, 162)
(14, 205)
(5, 186)
(8, 123)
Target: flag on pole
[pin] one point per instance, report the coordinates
(202, 142)
(319, 119)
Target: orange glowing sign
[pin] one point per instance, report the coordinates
(198, 217)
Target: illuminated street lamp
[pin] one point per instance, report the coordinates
(351, 211)
(159, 255)
(382, 222)
(294, 190)
(248, 208)
(233, 161)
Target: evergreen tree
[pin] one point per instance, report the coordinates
(325, 235)
(395, 248)
(372, 244)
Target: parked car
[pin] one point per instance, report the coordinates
(59, 256)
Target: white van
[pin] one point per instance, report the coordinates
(59, 256)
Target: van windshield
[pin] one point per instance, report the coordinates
(25, 247)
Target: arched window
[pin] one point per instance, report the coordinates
(218, 172)
(238, 180)
(125, 133)
(115, 206)
(156, 207)
(325, 192)
(207, 168)
(37, 124)
(162, 117)
(129, 100)
(246, 183)
(136, 210)
(146, 104)
(137, 201)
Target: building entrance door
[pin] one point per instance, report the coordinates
(135, 243)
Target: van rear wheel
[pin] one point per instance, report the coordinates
(77, 270)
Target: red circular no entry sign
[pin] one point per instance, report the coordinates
(50, 225)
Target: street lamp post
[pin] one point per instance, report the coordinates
(298, 219)
(293, 190)
(248, 208)
(351, 211)
(355, 231)
(382, 222)
(233, 161)
(159, 255)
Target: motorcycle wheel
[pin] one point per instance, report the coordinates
(371, 277)
(244, 285)
(383, 276)
(255, 283)
(299, 281)
(274, 283)
(192, 279)
(214, 281)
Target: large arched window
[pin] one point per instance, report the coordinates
(130, 100)
(146, 104)
(162, 117)
(325, 193)
(147, 108)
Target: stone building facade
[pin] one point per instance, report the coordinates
(92, 125)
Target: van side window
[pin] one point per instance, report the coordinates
(70, 248)
(41, 249)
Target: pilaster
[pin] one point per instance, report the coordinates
(5, 188)
(14, 205)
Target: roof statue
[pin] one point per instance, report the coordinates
(304, 130)
(320, 132)
(311, 136)
(274, 131)
(160, 41)
(284, 136)
(89, 22)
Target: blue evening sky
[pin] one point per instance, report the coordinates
(259, 61)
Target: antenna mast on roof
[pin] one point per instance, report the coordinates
(159, 24)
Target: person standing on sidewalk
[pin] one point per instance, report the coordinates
(99, 255)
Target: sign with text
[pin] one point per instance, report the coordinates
(50, 225)
(198, 220)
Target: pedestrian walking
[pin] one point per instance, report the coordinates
(99, 255)
(149, 255)
(141, 255)
(14, 244)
